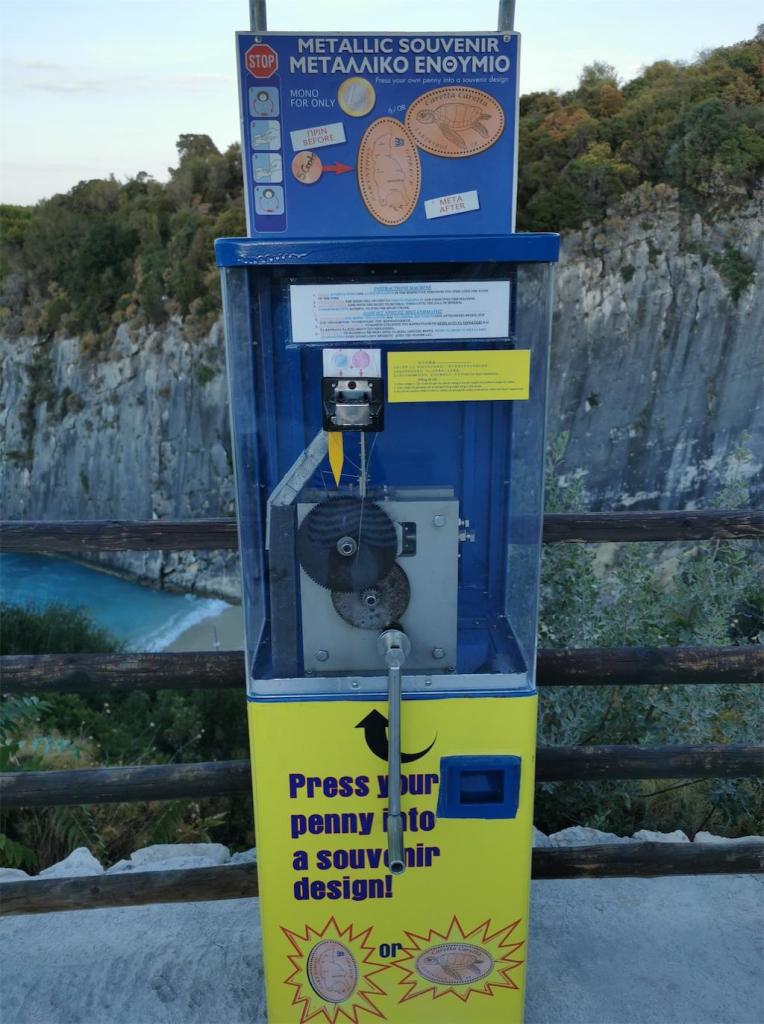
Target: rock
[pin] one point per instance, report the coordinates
(13, 875)
(120, 867)
(174, 857)
(579, 835)
(539, 839)
(708, 837)
(245, 857)
(79, 862)
(646, 836)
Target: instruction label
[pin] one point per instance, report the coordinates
(379, 134)
(412, 311)
(488, 375)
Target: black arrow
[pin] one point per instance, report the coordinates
(375, 732)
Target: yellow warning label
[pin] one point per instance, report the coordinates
(484, 375)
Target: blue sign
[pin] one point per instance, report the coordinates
(379, 136)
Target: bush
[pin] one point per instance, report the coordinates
(142, 727)
(709, 593)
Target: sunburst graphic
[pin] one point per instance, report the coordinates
(333, 974)
(458, 962)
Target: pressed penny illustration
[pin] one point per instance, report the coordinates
(388, 171)
(455, 121)
(307, 167)
(356, 96)
(454, 963)
(332, 971)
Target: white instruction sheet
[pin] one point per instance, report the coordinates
(400, 311)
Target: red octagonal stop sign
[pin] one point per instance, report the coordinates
(261, 60)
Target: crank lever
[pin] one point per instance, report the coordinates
(394, 647)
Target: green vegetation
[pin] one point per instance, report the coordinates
(698, 127)
(73, 731)
(108, 253)
(735, 269)
(708, 593)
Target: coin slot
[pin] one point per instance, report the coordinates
(478, 787)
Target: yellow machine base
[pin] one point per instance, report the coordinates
(344, 940)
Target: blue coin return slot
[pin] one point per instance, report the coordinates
(479, 786)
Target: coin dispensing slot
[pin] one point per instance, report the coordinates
(479, 786)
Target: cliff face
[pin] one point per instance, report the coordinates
(656, 376)
(658, 352)
(140, 434)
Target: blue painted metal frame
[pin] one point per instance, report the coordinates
(452, 770)
(519, 248)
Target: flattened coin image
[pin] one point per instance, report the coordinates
(388, 171)
(332, 971)
(307, 167)
(454, 963)
(356, 96)
(455, 121)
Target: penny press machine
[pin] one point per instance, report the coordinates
(387, 339)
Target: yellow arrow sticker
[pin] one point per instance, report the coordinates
(336, 451)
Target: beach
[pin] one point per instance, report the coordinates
(223, 631)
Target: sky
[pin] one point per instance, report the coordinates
(95, 87)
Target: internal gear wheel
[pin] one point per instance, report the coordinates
(345, 544)
(377, 606)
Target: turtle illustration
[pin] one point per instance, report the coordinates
(454, 118)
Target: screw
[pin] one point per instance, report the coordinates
(321, 655)
(439, 520)
(428, 682)
(438, 653)
(354, 683)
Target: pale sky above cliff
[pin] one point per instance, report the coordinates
(91, 87)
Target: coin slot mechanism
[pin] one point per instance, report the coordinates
(479, 786)
(352, 403)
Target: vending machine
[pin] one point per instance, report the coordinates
(387, 344)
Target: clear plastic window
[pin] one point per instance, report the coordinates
(380, 482)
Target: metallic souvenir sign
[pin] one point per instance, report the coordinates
(376, 135)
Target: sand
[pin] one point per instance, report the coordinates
(227, 629)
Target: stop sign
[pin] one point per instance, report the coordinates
(261, 60)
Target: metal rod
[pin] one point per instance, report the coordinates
(506, 15)
(394, 646)
(394, 823)
(362, 477)
(258, 20)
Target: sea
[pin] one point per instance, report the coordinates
(143, 618)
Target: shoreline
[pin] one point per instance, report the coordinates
(223, 631)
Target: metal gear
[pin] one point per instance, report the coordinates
(345, 544)
(377, 606)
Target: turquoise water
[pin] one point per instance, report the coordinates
(144, 618)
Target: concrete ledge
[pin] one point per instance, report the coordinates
(602, 951)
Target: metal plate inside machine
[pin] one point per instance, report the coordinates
(427, 577)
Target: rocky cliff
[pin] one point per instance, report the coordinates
(658, 357)
(656, 377)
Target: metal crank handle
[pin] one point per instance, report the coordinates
(394, 647)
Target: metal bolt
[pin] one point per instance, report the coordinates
(438, 653)
(321, 655)
(439, 520)
(354, 683)
(428, 682)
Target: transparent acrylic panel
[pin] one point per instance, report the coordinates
(435, 523)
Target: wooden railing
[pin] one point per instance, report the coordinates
(116, 673)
